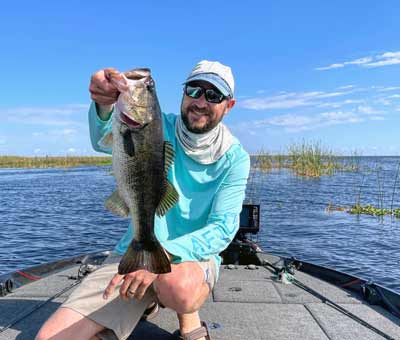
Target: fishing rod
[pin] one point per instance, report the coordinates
(287, 273)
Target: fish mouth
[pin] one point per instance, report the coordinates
(130, 122)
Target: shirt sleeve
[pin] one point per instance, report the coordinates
(98, 129)
(223, 221)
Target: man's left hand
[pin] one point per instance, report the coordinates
(134, 286)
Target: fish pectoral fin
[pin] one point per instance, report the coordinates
(169, 155)
(116, 205)
(106, 141)
(169, 199)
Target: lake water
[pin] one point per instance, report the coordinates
(49, 214)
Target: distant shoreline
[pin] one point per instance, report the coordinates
(53, 161)
(71, 161)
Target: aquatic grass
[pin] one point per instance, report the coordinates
(312, 159)
(308, 159)
(374, 211)
(364, 210)
(52, 161)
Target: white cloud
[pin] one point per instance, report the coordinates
(288, 100)
(71, 150)
(361, 105)
(64, 132)
(297, 122)
(37, 150)
(50, 116)
(330, 67)
(360, 61)
(367, 110)
(383, 101)
(342, 103)
(390, 88)
(300, 122)
(388, 58)
(392, 61)
(377, 118)
(288, 120)
(345, 87)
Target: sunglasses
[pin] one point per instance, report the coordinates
(211, 95)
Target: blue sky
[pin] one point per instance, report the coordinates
(304, 70)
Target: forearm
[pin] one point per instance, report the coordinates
(98, 128)
(104, 111)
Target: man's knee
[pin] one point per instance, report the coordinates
(43, 334)
(173, 287)
(180, 292)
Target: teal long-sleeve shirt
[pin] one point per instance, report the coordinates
(206, 218)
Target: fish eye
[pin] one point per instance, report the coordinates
(149, 84)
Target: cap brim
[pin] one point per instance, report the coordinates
(213, 79)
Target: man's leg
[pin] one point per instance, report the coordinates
(66, 324)
(185, 291)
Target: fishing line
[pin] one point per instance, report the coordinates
(325, 300)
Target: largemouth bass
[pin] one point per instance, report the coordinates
(140, 161)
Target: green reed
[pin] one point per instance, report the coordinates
(312, 159)
(309, 159)
(52, 162)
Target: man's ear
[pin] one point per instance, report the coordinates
(231, 104)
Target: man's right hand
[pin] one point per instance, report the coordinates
(103, 92)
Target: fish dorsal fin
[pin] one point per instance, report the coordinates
(169, 155)
(169, 199)
(106, 141)
(116, 205)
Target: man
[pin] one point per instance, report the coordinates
(209, 172)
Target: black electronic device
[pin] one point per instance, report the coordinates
(250, 219)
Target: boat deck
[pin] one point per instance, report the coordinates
(245, 304)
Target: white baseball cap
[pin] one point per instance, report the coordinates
(215, 73)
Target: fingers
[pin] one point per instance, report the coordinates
(141, 290)
(101, 88)
(112, 285)
(136, 282)
(103, 100)
(130, 285)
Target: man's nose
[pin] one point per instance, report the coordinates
(201, 102)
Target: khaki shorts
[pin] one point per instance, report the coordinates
(118, 316)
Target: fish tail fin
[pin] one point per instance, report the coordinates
(154, 259)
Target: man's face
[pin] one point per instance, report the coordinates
(200, 116)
